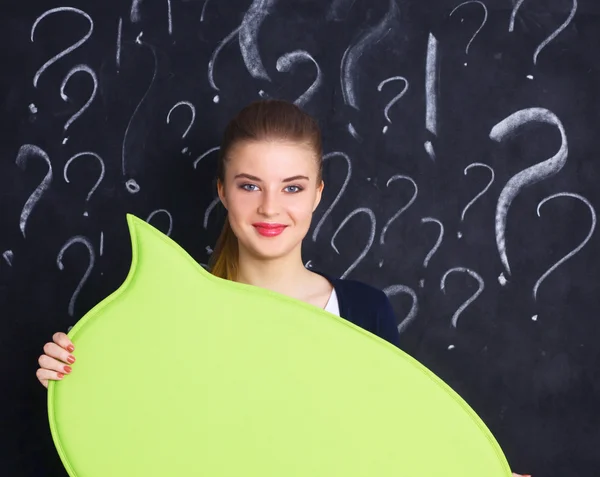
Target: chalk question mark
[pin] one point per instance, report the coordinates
(192, 109)
(394, 290)
(63, 95)
(66, 51)
(247, 34)
(287, 61)
(401, 210)
(339, 194)
(100, 177)
(168, 214)
(395, 99)
(485, 15)
(576, 249)
(349, 74)
(526, 177)
(25, 152)
(92, 260)
(435, 247)
(475, 164)
(463, 307)
(359, 210)
(554, 34)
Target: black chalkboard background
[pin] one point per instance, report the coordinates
(527, 362)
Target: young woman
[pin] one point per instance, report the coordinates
(269, 178)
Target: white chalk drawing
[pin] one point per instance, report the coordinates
(552, 36)
(402, 209)
(394, 290)
(438, 242)
(430, 150)
(65, 97)
(131, 185)
(576, 249)
(100, 177)
(167, 213)
(101, 243)
(213, 59)
(8, 257)
(349, 74)
(170, 17)
(353, 132)
(395, 99)
(216, 201)
(431, 92)
(339, 194)
(485, 189)
(463, 307)
(485, 15)
(203, 155)
(92, 260)
(192, 109)
(431, 84)
(25, 151)
(248, 37)
(360, 210)
(119, 40)
(526, 177)
(66, 51)
(287, 61)
(203, 10)
(134, 14)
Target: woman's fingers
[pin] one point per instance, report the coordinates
(62, 340)
(44, 375)
(51, 364)
(55, 351)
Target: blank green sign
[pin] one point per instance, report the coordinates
(180, 373)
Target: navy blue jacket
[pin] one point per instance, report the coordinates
(365, 306)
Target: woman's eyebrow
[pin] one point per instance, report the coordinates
(295, 178)
(258, 179)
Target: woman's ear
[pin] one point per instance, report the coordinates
(318, 195)
(221, 192)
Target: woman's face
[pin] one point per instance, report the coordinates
(270, 182)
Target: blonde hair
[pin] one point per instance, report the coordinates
(261, 120)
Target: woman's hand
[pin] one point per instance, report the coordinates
(54, 364)
(521, 475)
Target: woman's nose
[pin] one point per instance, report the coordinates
(268, 204)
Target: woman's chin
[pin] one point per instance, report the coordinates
(270, 249)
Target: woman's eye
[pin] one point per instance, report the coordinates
(247, 186)
(297, 188)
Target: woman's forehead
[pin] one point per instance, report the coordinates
(272, 158)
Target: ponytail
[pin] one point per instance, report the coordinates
(223, 262)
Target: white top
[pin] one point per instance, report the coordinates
(332, 305)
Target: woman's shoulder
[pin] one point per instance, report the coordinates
(366, 306)
(354, 288)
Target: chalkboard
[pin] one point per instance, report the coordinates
(461, 178)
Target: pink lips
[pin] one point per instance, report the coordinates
(268, 229)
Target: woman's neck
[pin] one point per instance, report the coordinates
(285, 275)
